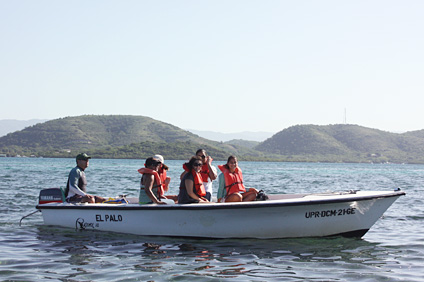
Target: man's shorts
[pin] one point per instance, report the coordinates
(75, 199)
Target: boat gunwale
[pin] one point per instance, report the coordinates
(216, 206)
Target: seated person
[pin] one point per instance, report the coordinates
(162, 171)
(76, 187)
(231, 187)
(151, 186)
(191, 187)
(208, 172)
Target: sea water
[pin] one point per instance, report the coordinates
(392, 250)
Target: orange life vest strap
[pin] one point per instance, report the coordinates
(158, 181)
(198, 184)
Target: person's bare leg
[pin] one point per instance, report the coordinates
(98, 199)
(250, 195)
(88, 199)
(236, 197)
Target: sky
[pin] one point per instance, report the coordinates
(225, 66)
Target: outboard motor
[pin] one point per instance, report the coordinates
(51, 195)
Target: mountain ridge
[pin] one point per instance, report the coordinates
(11, 125)
(123, 136)
(114, 133)
(345, 143)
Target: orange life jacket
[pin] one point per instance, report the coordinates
(162, 176)
(198, 184)
(199, 188)
(233, 181)
(158, 180)
(204, 172)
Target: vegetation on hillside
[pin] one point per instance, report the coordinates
(345, 143)
(114, 137)
(140, 137)
(92, 131)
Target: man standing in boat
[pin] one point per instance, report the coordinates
(76, 191)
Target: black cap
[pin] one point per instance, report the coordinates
(83, 156)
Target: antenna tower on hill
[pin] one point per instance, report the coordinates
(344, 118)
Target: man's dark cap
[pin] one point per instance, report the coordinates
(83, 156)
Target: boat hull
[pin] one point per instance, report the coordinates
(307, 216)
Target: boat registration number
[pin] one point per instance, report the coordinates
(329, 213)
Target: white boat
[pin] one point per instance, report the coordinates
(349, 214)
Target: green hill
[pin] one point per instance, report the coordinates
(345, 143)
(118, 136)
(112, 136)
(418, 133)
(93, 131)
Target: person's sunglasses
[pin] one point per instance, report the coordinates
(197, 164)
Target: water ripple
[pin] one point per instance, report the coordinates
(391, 251)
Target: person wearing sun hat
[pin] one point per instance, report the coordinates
(151, 185)
(151, 188)
(162, 170)
(76, 187)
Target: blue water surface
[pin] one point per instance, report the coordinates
(391, 251)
